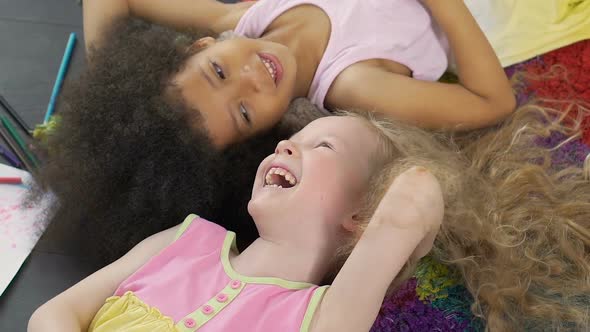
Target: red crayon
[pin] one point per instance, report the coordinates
(10, 180)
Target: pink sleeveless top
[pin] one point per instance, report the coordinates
(396, 30)
(190, 285)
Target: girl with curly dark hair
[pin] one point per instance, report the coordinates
(127, 153)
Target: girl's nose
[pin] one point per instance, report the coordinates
(255, 77)
(286, 147)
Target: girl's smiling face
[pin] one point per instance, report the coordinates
(240, 86)
(315, 181)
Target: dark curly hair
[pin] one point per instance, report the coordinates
(123, 161)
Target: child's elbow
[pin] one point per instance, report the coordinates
(37, 322)
(52, 317)
(503, 106)
(507, 104)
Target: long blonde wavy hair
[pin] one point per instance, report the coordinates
(516, 228)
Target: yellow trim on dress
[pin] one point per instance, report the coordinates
(230, 243)
(200, 318)
(315, 301)
(184, 226)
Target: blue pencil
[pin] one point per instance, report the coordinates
(63, 68)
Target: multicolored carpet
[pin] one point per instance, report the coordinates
(435, 299)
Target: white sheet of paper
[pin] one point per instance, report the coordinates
(20, 226)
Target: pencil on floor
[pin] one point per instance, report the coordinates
(23, 159)
(15, 115)
(11, 180)
(19, 141)
(10, 157)
(63, 68)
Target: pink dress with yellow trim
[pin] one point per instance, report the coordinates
(190, 285)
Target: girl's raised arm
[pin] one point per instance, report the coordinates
(74, 309)
(182, 14)
(483, 97)
(403, 226)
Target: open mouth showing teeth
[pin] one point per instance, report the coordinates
(279, 178)
(271, 68)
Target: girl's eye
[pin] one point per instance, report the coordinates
(325, 145)
(218, 70)
(244, 112)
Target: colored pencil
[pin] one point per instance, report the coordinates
(11, 180)
(15, 116)
(8, 155)
(12, 131)
(63, 68)
(23, 159)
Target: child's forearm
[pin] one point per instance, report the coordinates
(364, 279)
(211, 15)
(478, 67)
(99, 16)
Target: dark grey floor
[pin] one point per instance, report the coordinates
(33, 35)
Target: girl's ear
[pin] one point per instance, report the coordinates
(200, 44)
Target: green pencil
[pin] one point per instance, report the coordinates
(18, 140)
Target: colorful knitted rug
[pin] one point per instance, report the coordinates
(435, 298)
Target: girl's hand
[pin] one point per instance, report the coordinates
(403, 226)
(413, 203)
